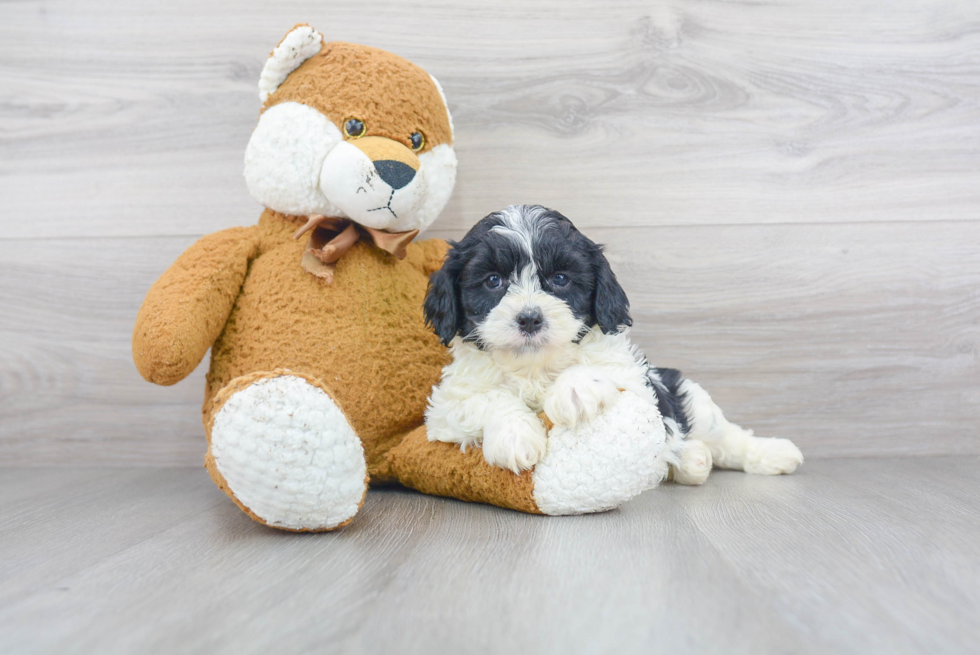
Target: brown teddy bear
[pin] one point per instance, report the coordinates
(320, 359)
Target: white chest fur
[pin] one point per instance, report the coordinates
(530, 375)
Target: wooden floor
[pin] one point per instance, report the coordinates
(848, 556)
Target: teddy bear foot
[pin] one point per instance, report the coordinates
(596, 466)
(599, 465)
(284, 451)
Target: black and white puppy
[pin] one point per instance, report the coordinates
(536, 321)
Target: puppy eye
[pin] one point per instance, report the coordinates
(494, 281)
(354, 128)
(560, 280)
(418, 141)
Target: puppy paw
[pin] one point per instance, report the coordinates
(693, 463)
(769, 456)
(515, 443)
(579, 394)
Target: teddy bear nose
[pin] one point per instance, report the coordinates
(394, 173)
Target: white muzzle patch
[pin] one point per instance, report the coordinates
(502, 331)
(297, 162)
(351, 181)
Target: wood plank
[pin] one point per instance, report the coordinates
(637, 580)
(69, 391)
(849, 556)
(76, 518)
(132, 120)
(853, 340)
(845, 546)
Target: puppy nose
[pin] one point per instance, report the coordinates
(530, 320)
(395, 173)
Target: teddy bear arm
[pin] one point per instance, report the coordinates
(186, 309)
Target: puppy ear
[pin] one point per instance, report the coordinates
(442, 310)
(611, 307)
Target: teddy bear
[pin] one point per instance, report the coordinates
(321, 361)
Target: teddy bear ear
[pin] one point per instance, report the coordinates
(301, 43)
(442, 94)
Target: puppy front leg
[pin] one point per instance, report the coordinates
(512, 436)
(579, 394)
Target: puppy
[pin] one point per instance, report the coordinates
(537, 322)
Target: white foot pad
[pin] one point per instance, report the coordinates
(289, 455)
(601, 464)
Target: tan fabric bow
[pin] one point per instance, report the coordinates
(332, 237)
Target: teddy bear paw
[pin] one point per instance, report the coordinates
(602, 463)
(284, 450)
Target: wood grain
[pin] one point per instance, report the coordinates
(132, 118)
(851, 339)
(790, 192)
(846, 556)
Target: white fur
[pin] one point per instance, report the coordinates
(579, 394)
(693, 462)
(522, 224)
(284, 158)
(500, 332)
(495, 386)
(348, 178)
(513, 436)
(298, 163)
(600, 465)
(498, 385)
(442, 94)
(731, 446)
(439, 164)
(575, 384)
(289, 455)
(297, 46)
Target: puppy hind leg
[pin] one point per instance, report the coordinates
(731, 446)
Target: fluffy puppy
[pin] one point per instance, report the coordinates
(537, 322)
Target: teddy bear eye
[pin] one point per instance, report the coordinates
(418, 141)
(493, 281)
(353, 128)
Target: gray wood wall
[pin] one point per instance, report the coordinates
(790, 192)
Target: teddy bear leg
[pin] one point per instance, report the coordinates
(596, 466)
(281, 447)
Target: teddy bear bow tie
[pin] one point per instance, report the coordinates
(332, 237)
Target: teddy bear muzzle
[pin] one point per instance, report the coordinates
(375, 181)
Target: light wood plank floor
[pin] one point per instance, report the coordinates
(848, 556)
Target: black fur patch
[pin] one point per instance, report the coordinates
(666, 384)
(458, 299)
